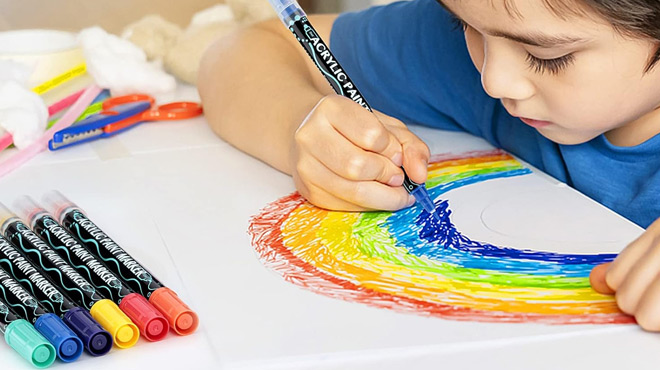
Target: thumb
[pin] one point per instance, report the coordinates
(597, 279)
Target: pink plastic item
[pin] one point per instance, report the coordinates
(24, 155)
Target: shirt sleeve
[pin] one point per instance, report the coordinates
(410, 61)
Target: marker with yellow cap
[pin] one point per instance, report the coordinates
(24, 339)
(97, 341)
(182, 319)
(123, 331)
(153, 326)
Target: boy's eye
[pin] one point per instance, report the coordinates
(552, 66)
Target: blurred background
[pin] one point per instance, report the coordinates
(114, 15)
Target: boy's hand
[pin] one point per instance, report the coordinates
(634, 276)
(346, 158)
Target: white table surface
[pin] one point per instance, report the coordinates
(179, 200)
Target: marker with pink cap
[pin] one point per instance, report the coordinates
(182, 319)
(151, 323)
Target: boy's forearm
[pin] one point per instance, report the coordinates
(257, 88)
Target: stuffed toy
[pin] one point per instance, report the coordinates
(181, 50)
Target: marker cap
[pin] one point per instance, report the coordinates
(32, 346)
(97, 341)
(124, 333)
(56, 204)
(182, 319)
(5, 215)
(152, 324)
(67, 345)
(27, 209)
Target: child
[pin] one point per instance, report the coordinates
(571, 86)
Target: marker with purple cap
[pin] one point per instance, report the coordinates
(97, 341)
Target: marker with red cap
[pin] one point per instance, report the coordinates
(24, 339)
(183, 320)
(150, 321)
(97, 341)
(124, 333)
(67, 345)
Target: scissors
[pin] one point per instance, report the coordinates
(120, 114)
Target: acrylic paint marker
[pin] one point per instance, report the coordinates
(150, 321)
(124, 333)
(295, 19)
(96, 340)
(67, 345)
(24, 339)
(182, 319)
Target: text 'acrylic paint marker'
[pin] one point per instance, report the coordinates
(153, 326)
(67, 345)
(24, 339)
(182, 319)
(124, 333)
(96, 340)
(295, 19)
(60, 263)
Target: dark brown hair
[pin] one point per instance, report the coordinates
(632, 18)
(636, 18)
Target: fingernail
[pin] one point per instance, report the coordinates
(398, 159)
(396, 180)
(411, 201)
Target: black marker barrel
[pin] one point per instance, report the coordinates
(67, 345)
(96, 340)
(150, 321)
(124, 332)
(24, 339)
(181, 318)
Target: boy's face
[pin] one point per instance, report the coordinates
(572, 79)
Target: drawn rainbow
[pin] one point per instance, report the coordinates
(408, 262)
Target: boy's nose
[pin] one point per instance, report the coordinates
(503, 77)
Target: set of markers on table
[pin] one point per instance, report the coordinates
(66, 286)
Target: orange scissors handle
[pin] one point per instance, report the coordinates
(166, 112)
(174, 111)
(124, 99)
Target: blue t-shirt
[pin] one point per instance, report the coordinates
(411, 62)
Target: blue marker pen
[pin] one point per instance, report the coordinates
(295, 19)
(67, 345)
(97, 341)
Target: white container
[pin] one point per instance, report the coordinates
(48, 53)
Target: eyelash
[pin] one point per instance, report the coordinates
(552, 66)
(538, 65)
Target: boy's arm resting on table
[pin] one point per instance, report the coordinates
(258, 86)
(264, 95)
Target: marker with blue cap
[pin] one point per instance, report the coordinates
(182, 319)
(150, 322)
(97, 341)
(24, 339)
(106, 312)
(67, 345)
(295, 19)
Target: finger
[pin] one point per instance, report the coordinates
(620, 267)
(597, 279)
(323, 199)
(416, 154)
(648, 310)
(369, 195)
(362, 128)
(350, 162)
(639, 277)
